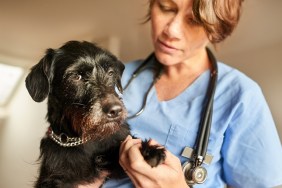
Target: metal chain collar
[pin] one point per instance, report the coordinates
(65, 141)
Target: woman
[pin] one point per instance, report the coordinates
(243, 140)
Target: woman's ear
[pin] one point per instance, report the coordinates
(38, 80)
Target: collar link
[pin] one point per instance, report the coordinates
(65, 141)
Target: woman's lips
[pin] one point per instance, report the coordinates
(165, 47)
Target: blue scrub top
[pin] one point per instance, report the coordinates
(243, 141)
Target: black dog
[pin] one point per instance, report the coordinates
(85, 113)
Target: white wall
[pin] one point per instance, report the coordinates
(19, 140)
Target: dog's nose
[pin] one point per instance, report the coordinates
(112, 111)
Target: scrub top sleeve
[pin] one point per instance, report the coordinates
(252, 153)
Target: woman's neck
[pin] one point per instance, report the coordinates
(176, 78)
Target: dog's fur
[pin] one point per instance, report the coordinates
(80, 81)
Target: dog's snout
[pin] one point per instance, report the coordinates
(113, 110)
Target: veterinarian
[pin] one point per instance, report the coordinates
(166, 95)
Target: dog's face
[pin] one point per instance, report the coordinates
(81, 82)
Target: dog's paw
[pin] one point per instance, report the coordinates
(153, 154)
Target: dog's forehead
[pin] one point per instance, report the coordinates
(97, 59)
(91, 62)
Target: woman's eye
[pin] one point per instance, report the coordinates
(166, 8)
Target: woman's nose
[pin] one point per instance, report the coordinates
(174, 27)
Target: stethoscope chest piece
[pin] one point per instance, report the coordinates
(199, 174)
(194, 175)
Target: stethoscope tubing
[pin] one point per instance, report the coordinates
(205, 124)
(135, 74)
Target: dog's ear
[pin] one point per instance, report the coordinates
(120, 68)
(38, 80)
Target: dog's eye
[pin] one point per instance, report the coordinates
(111, 73)
(76, 77)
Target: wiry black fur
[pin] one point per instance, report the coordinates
(79, 80)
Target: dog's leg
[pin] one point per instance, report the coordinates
(153, 154)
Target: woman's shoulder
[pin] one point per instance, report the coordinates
(235, 87)
(230, 78)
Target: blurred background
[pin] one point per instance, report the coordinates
(29, 27)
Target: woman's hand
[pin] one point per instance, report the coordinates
(168, 174)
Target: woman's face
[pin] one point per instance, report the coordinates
(176, 37)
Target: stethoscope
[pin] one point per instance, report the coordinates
(193, 170)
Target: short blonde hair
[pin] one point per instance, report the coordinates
(218, 17)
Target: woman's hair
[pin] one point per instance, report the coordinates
(218, 17)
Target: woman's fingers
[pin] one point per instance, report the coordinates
(126, 151)
(127, 143)
(131, 159)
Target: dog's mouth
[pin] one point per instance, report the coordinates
(101, 130)
(96, 122)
